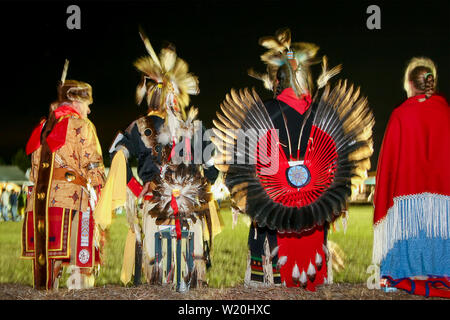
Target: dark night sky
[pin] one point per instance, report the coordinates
(218, 39)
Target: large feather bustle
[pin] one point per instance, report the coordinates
(163, 75)
(326, 74)
(264, 77)
(341, 113)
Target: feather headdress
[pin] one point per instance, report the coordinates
(73, 90)
(297, 56)
(64, 73)
(165, 80)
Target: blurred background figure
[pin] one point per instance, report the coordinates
(21, 202)
(1, 203)
(412, 195)
(13, 201)
(5, 204)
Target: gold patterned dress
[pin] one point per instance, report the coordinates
(67, 172)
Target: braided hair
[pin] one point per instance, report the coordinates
(422, 79)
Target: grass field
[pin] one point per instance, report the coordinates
(228, 257)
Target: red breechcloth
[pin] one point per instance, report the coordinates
(59, 227)
(301, 250)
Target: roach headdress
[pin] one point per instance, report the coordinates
(297, 57)
(165, 79)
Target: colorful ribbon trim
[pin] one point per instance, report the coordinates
(174, 205)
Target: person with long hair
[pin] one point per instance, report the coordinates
(412, 195)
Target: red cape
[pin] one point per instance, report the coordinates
(415, 153)
(57, 137)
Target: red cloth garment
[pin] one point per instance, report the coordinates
(301, 105)
(57, 138)
(415, 153)
(412, 197)
(135, 186)
(174, 205)
(35, 139)
(172, 152)
(432, 287)
(301, 249)
(65, 110)
(59, 230)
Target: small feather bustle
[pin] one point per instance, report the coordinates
(193, 187)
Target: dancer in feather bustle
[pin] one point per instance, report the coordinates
(67, 171)
(179, 215)
(300, 172)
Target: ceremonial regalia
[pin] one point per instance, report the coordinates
(311, 152)
(67, 172)
(412, 197)
(178, 213)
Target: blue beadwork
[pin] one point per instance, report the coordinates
(298, 176)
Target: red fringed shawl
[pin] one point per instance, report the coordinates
(415, 154)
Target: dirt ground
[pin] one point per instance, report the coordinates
(148, 292)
